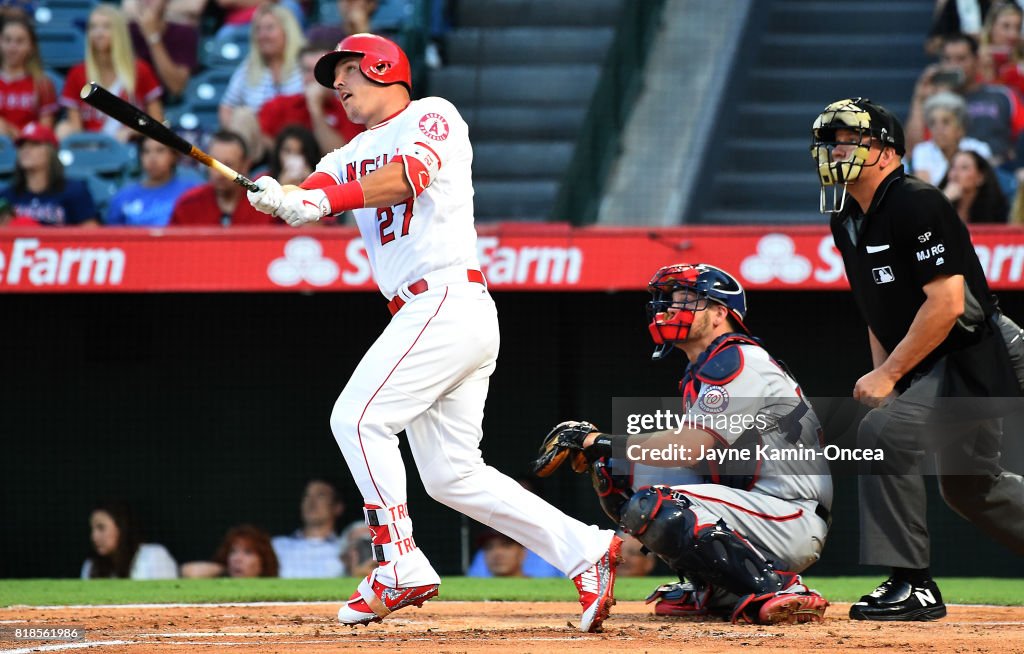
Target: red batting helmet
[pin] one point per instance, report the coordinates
(381, 60)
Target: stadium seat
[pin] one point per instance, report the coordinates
(224, 52)
(102, 189)
(8, 158)
(61, 47)
(205, 90)
(188, 118)
(94, 153)
(63, 13)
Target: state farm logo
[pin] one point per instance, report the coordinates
(303, 261)
(434, 126)
(776, 258)
(527, 264)
(29, 264)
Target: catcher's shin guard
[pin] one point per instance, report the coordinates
(663, 520)
(613, 491)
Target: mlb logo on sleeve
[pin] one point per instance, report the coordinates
(882, 275)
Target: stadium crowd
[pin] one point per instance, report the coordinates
(317, 549)
(965, 128)
(232, 76)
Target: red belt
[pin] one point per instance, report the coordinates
(416, 288)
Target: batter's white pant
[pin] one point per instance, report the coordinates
(428, 373)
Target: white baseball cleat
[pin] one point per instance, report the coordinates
(596, 586)
(374, 602)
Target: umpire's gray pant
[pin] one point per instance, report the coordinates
(893, 525)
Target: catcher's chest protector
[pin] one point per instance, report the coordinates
(719, 364)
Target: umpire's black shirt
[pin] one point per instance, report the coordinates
(909, 236)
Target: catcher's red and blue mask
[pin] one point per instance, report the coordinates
(679, 291)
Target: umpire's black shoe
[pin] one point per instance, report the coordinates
(898, 600)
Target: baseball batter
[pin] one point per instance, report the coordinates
(407, 179)
(760, 513)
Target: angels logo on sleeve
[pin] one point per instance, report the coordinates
(434, 126)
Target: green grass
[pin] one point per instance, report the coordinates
(36, 592)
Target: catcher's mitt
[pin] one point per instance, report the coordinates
(563, 442)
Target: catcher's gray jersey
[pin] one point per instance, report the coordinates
(768, 439)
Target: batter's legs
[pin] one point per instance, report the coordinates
(445, 445)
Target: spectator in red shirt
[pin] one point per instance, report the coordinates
(221, 201)
(26, 93)
(170, 49)
(317, 108)
(111, 62)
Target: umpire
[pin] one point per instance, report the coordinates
(935, 332)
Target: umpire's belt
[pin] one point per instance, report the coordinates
(433, 280)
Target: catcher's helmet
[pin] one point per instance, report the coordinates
(702, 283)
(863, 118)
(381, 61)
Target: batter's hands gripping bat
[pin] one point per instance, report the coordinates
(150, 127)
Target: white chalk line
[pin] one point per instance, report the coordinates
(110, 643)
(65, 646)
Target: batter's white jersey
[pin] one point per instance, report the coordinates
(429, 232)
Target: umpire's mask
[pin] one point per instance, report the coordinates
(857, 118)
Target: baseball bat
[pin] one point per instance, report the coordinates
(137, 119)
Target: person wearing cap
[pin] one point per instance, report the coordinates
(408, 181)
(733, 512)
(935, 335)
(40, 190)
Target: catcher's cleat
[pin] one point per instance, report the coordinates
(686, 599)
(374, 602)
(596, 586)
(794, 603)
(793, 608)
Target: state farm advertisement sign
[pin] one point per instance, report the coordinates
(512, 257)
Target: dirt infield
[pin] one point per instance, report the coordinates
(450, 627)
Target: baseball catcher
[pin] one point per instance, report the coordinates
(755, 511)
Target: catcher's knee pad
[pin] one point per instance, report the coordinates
(661, 519)
(664, 521)
(613, 491)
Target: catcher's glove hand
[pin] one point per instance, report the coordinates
(563, 442)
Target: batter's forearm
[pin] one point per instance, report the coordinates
(384, 187)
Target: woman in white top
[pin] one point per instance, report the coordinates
(945, 114)
(117, 551)
(272, 67)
